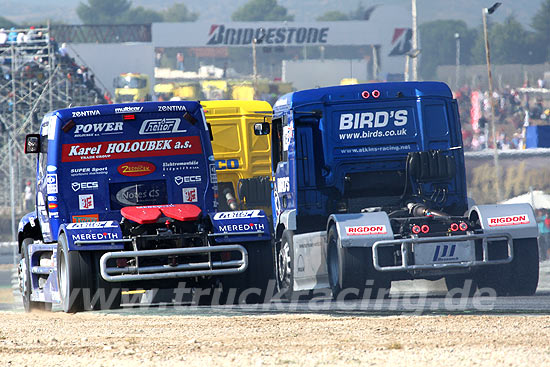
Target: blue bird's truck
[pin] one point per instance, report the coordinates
(126, 198)
(370, 187)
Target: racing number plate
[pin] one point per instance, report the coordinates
(443, 253)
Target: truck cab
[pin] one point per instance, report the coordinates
(369, 184)
(132, 87)
(127, 197)
(243, 159)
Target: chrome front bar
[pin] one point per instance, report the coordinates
(407, 243)
(205, 268)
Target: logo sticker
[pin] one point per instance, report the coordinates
(248, 227)
(128, 109)
(187, 179)
(190, 195)
(365, 230)
(132, 169)
(238, 215)
(92, 224)
(51, 183)
(161, 126)
(86, 202)
(511, 220)
(85, 218)
(84, 186)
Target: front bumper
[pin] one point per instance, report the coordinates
(187, 270)
(409, 245)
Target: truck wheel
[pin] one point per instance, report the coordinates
(352, 269)
(108, 295)
(73, 276)
(518, 278)
(285, 265)
(24, 274)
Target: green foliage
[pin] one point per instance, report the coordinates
(179, 13)
(541, 24)
(438, 45)
(6, 23)
(103, 11)
(333, 15)
(121, 12)
(261, 10)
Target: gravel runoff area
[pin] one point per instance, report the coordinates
(99, 339)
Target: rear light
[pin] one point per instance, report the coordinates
(365, 94)
(121, 263)
(425, 228)
(463, 226)
(454, 227)
(376, 93)
(128, 117)
(416, 229)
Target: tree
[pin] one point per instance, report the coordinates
(140, 15)
(333, 15)
(261, 10)
(179, 13)
(103, 11)
(6, 23)
(438, 45)
(541, 25)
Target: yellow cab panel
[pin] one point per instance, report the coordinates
(243, 159)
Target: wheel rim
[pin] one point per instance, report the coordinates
(333, 264)
(23, 277)
(284, 268)
(62, 277)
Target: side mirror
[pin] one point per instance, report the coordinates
(261, 128)
(32, 143)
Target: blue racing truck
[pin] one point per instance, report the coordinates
(370, 187)
(126, 198)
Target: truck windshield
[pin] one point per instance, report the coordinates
(130, 82)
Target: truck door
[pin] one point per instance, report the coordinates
(46, 184)
(282, 140)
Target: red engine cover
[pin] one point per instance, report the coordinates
(152, 213)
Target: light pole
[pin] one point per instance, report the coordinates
(414, 41)
(256, 40)
(484, 13)
(457, 39)
(412, 54)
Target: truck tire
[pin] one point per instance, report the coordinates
(351, 269)
(24, 273)
(518, 278)
(285, 265)
(108, 294)
(257, 276)
(73, 276)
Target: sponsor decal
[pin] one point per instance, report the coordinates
(219, 34)
(92, 224)
(238, 215)
(106, 128)
(510, 220)
(213, 174)
(187, 179)
(52, 206)
(401, 41)
(161, 126)
(51, 168)
(138, 194)
(86, 202)
(180, 166)
(250, 227)
(128, 109)
(171, 108)
(76, 186)
(366, 230)
(85, 171)
(211, 158)
(376, 119)
(85, 218)
(51, 183)
(54, 215)
(287, 137)
(283, 184)
(52, 198)
(190, 195)
(86, 113)
(94, 236)
(133, 169)
(130, 149)
(444, 253)
(227, 164)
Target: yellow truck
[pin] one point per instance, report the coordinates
(132, 87)
(243, 159)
